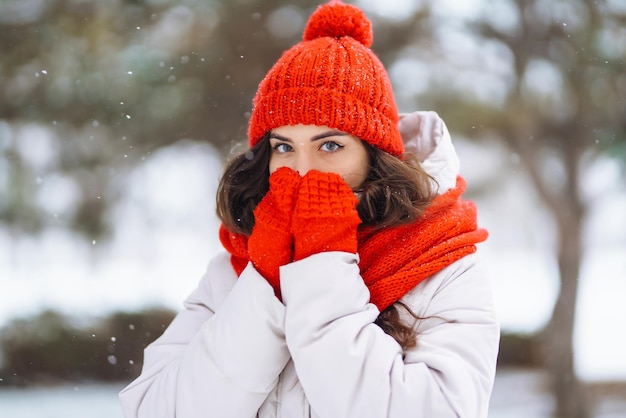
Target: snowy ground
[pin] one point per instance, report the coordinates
(517, 394)
(524, 394)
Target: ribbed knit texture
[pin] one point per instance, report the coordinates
(325, 216)
(331, 79)
(446, 232)
(394, 260)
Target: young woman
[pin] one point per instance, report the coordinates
(349, 287)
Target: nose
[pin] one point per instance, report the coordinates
(303, 163)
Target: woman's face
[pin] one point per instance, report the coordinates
(310, 147)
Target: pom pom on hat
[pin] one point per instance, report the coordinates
(332, 78)
(336, 20)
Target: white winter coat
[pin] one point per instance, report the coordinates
(237, 351)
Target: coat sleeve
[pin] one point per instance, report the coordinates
(221, 356)
(349, 367)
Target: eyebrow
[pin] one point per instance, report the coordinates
(314, 138)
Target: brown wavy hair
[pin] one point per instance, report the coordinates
(396, 191)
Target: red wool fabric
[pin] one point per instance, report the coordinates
(270, 244)
(332, 78)
(394, 260)
(325, 216)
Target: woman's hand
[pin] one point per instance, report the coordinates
(271, 243)
(325, 216)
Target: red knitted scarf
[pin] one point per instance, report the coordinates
(394, 260)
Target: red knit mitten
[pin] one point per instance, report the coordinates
(271, 243)
(325, 217)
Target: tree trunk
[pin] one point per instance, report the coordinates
(571, 399)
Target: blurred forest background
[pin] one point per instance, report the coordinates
(90, 92)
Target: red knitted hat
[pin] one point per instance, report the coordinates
(333, 79)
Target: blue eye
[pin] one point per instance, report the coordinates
(282, 148)
(330, 146)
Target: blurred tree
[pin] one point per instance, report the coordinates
(548, 79)
(113, 81)
(90, 89)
